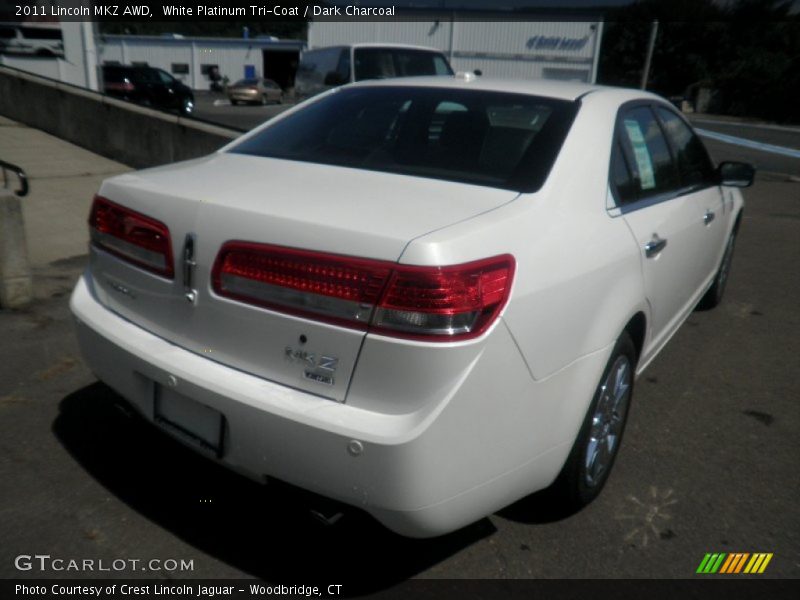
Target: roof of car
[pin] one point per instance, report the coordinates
(562, 90)
(378, 45)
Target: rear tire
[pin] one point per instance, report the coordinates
(187, 106)
(595, 450)
(717, 290)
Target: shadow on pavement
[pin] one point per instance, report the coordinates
(537, 509)
(266, 531)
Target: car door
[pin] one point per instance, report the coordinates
(666, 224)
(166, 91)
(698, 179)
(272, 90)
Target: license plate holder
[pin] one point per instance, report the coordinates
(190, 420)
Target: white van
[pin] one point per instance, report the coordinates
(38, 39)
(323, 68)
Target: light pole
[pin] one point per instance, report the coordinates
(650, 46)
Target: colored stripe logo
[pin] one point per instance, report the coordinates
(734, 563)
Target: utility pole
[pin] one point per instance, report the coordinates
(650, 46)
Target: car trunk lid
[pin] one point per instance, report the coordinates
(323, 209)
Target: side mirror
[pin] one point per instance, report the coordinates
(736, 174)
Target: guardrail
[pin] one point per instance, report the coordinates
(21, 176)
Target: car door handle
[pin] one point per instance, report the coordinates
(654, 246)
(708, 217)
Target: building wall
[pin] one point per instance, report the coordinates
(517, 49)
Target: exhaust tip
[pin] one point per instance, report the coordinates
(327, 520)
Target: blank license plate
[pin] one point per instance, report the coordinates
(188, 419)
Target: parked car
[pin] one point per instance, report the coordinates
(41, 39)
(426, 298)
(149, 86)
(255, 90)
(324, 68)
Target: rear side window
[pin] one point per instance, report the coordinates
(652, 168)
(145, 76)
(693, 162)
(382, 63)
(487, 138)
(112, 75)
(316, 64)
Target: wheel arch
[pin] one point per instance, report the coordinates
(637, 329)
(738, 221)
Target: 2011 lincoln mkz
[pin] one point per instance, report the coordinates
(426, 297)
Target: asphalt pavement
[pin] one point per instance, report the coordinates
(215, 108)
(709, 462)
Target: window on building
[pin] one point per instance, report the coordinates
(180, 68)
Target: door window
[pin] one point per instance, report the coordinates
(648, 156)
(693, 162)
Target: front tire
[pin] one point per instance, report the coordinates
(717, 290)
(592, 457)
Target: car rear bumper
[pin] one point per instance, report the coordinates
(244, 96)
(409, 472)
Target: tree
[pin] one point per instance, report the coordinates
(747, 53)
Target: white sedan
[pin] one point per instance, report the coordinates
(426, 298)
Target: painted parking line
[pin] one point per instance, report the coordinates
(732, 139)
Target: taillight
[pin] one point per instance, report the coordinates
(342, 290)
(430, 303)
(444, 303)
(123, 86)
(132, 236)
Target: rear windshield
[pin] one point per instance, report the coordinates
(144, 76)
(247, 82)
(382, 63)
(487, 138)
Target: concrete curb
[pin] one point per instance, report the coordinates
(16, 283)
